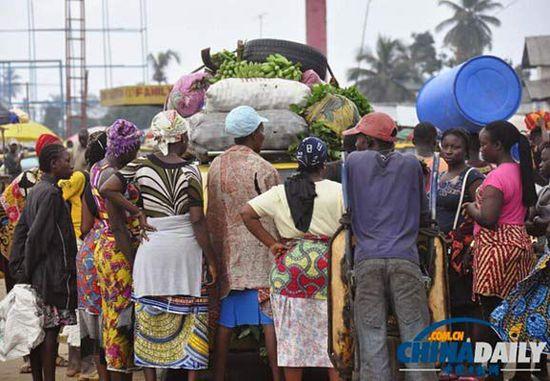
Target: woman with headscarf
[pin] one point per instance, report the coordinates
(503, 254)
(306, 211)
(114, 252)
(89, 299)
(171, 308)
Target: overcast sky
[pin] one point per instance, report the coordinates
(187, 26)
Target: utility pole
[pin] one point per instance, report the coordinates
(261, 19)
(363, 34)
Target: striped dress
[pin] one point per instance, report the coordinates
(171, 330)
(504, 256)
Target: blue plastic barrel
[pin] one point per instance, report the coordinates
(481, 90)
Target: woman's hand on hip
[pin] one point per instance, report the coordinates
(277, 249)
(213, 273)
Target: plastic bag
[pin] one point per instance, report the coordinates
(259, 93)
(336, 111)
(310, 78)
(21, 322)
(207, 131)
(187, 95)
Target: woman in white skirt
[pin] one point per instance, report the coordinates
(306, 211)
(171, 328)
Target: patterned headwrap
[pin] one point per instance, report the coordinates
(311, 152)
(123, 137)
(168, 127)
(538, 118)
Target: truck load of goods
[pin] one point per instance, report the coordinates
(282, 80)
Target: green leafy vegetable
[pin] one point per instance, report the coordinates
(319, 129)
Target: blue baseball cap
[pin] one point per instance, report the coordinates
(243, 121)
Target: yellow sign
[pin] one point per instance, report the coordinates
(135, 95)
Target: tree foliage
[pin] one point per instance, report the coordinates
(469, 29)
(383, 73)
(394, 70)
(160, 62)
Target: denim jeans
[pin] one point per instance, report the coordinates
(381, 283)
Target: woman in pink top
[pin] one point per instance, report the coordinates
(503, 251)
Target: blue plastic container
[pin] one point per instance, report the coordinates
(481, 90)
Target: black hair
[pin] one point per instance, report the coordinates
(461, 134)
(425, 132)
(48, 154)
(241, 140)
(537, 131)
(474, 142)
(97, 146)
(508, 135)
(348, 143)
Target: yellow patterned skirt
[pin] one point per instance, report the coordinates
(114, 277)
(170, 340)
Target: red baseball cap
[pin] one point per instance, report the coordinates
(376, 125)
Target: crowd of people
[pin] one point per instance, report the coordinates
(157, 276)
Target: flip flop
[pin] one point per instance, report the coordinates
(61, 362)
(25, 368)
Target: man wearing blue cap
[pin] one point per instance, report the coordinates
(236, 177)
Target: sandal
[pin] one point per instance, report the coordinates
(60, 361)
(25, 368)
(72, 372)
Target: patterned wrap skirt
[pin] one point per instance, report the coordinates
(171, 308)
(525, 314)
(502, 258)
(172, 332)
(114, 277)
(299, 287)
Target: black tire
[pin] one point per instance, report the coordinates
(310, 58)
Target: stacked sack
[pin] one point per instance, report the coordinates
(206, 99)
(271, 97)
(296, 103)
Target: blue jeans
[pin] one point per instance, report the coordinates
(381, 283)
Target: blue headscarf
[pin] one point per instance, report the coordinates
(311, 152)
(300, 189)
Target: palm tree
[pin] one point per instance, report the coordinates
(386, 73)
(160, 62)
(470, 27)
(10, 85)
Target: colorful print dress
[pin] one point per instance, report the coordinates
(114, 277)
(525, 314)
(299, 277)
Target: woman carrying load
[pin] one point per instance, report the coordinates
(171, 308)
(306, 211)
(114, 252)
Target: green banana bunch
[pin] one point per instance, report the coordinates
(275, 66)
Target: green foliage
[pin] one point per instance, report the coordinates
(320, 91)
